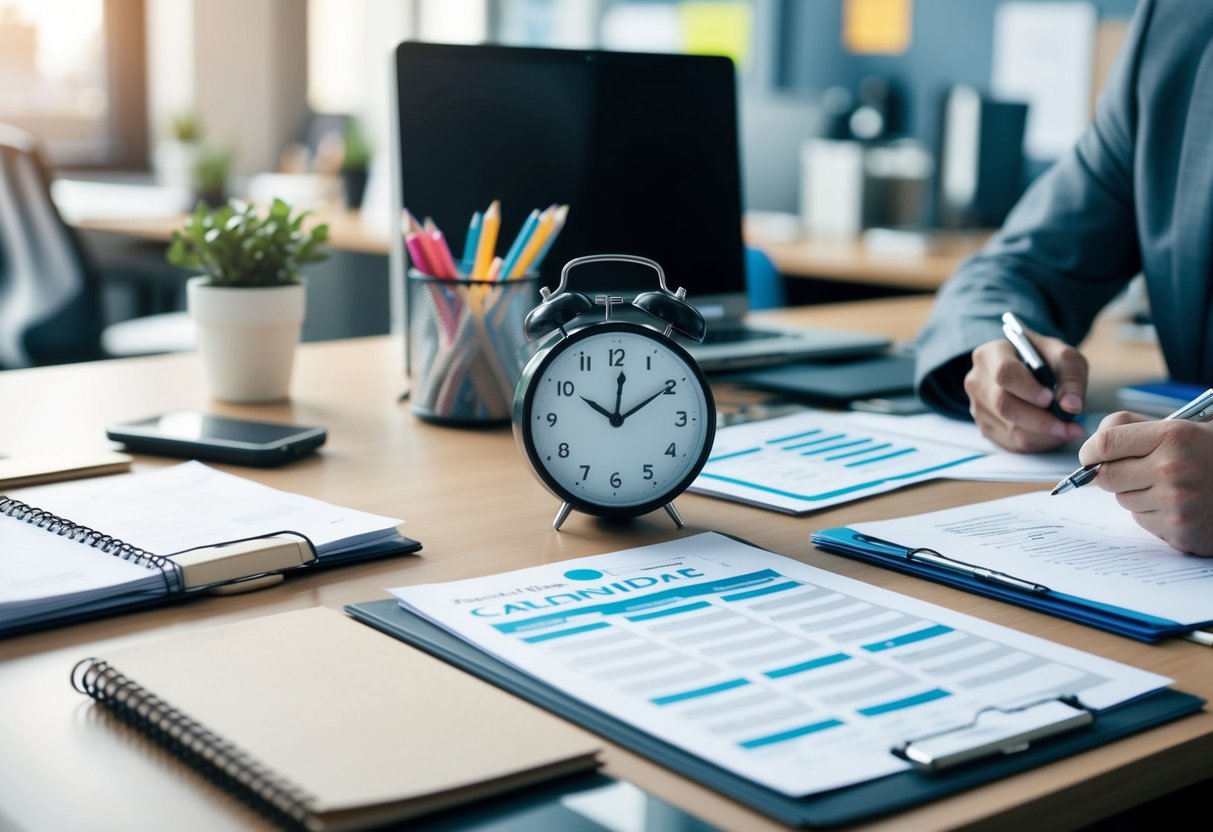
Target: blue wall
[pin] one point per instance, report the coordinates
(952, 43)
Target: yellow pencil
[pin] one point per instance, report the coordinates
(533, 245)
(489, 224)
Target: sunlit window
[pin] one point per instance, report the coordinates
(56, 76)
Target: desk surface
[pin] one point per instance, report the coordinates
(842, 260)
(66, 767)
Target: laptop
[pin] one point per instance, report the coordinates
(643, 149)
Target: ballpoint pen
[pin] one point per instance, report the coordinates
(1200, 409)
(1018, 336)
(972, 570)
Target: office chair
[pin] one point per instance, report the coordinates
(50, 296)
(50, 289)
(764, 283)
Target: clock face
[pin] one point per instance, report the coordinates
(616, 418)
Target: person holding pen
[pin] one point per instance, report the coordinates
(1134, 196)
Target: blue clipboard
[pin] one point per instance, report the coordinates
(1124, 622)
(862, 801)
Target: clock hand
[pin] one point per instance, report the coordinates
(619, 392)
(669, 385)
(599, 408)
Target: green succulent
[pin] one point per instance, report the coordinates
(243, 247)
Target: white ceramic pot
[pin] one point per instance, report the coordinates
(173, 162)
(247, 338)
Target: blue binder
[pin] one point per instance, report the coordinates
(1124, 622)
(850, 804)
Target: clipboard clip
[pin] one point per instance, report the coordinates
(995, 731)
(941, 561)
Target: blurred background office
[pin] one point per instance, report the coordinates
(881, 139)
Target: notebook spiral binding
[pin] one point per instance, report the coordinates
(223, 763)
(110, 545)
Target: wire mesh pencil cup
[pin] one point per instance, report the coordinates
(466, 346)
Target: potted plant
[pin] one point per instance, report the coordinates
(248, 302)
(175, 155)
(355, 164)
(212, 167)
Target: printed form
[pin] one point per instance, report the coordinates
(789, 675)
(811, 460)
(1081, 543)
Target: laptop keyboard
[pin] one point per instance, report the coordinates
(733, 335)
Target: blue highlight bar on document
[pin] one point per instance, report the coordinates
(814, 459)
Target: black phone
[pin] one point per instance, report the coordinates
(192, 434)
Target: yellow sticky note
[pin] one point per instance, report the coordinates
(877, 27)
(715, 27)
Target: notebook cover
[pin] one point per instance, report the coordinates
(362, 729)
(842, 541)
(847, 805)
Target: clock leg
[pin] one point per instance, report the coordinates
(673, 512)
(561, 515)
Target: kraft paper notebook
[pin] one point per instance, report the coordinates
(326, 724)
(81, 549)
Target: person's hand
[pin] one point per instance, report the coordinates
(1162, 472)
(1012, 408)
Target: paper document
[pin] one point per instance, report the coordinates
(78, 565)
(994, 464)
(1081, 544)
(814, 459)
(791, 676)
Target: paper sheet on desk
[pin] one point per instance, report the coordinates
(791, 676)
(1081, 543)
(994, 464)
(816, 458)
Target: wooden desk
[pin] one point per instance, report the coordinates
(468, 497)
(347, 231)
(847, 261)
(853, 262)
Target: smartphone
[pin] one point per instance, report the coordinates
(194, 435)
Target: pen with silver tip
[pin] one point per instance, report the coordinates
(1014, 331)
(1199, 409)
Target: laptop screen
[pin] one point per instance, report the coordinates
(642, 147)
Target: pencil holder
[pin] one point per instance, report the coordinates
(466, 346)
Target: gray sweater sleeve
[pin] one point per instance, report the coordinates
(1069, 245)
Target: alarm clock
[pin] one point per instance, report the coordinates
(615, 418)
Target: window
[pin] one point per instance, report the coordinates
(72, 73)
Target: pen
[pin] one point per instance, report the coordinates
(1018, 336)
(981, 573)
(1202, 637)
(1200, 409)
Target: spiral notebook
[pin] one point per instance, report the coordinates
(80, 549)
(383, 733)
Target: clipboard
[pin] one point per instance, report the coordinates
(862, 801)
(1012, 589)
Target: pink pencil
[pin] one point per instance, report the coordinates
(444, 254)
(416, 253)
(494, 271)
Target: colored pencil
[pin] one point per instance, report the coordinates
(470, 242)
(542, 231)
(524, 235)
(557, 224)
(444, 254)
(417, 254)
(494, 272)
(432, 255)
(490, 222)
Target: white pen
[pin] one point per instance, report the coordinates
(1203, 637)
(1200, 409)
